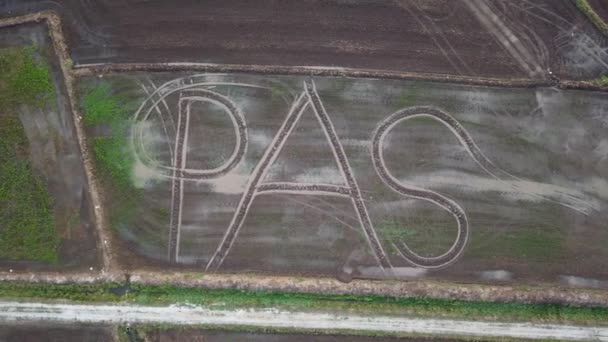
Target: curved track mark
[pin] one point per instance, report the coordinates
(442, 201)
(180, 173)
(258, 174)
(347, 173)
(205, 95)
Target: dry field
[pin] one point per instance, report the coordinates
(491, 38)
(352, 178)
(54, 332)
(175, 335)
(601, 7)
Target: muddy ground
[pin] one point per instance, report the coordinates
(54, 332)
(196, 335)
(438, 36)
(56, 159)
(536, 210)
(601, 8)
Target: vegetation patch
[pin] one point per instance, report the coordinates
(603, 81)
(27, 226)
(25, 79)
(152, 332)
(538, 239)
(426, 235)
(585, 7)
(373, 305)
(103, 108)
(408, 96)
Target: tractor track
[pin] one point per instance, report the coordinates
(112, 271)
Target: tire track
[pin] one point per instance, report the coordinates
(179, 171)
(442, 201)
(254, 188)
(162, 120)
(305, 189)
(204, 95)
(345, 169)
(260, 171)
(427, 195)
(505, 37)
(177, 186)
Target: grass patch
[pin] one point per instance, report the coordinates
(535, 245)
(427, 236)
(598, 22)
(602, 81)
(538, 239)
(152, 332)
(25, 79)
(27, 226)
(377, 305)
(115, 162)
(408, 96)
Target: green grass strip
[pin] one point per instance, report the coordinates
(603, 81)
(344, 304)
(152, 332)
(585, 7)
(103, 108)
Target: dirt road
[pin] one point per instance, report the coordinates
(12, 311)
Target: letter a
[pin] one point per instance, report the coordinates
(256, 187)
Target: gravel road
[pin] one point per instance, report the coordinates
(13, 311)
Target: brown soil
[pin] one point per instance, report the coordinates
(175, 335)
(600, 7)
(39, 331)
(412, 36)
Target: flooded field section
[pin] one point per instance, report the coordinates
(54, 332)
(45, 214)
(352, 178)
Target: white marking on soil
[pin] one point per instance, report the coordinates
(494, 24)
(177, 188)
(516, 190)
(178, 85)
(584, 282)
(230, 183)
(397, 272)
(462, 237)
(322, 68)
(597, 186)
(143, 175)
(601, 150)
(500, 275)
(160, 118)
(300, 189)
(259, 139)
(188, 314)
(345, 169)
(356, 143)
(256, 186)
(321, 210)
(325, 174)
(258, 174)
(139, 132)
